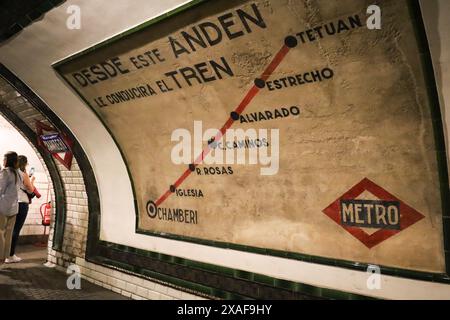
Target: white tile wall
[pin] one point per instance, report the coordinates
(125, 284)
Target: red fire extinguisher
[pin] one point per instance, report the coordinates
(46, 211)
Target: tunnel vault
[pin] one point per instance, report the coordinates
(22, 107)
(205, 279)
(185, 275)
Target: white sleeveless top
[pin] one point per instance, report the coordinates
(9, 190)
(22, 195)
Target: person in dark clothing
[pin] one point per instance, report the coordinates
(26, 186)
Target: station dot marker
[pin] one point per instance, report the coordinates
(152, 209)
(235, 116)
(192, 167)
(260, 83)
(291, 42)
(172, 188)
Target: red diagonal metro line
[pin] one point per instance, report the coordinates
(290, 42)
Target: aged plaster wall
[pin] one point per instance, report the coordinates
(30, 55)
(370, 120)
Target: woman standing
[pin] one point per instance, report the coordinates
(9, 206)
(26, 186)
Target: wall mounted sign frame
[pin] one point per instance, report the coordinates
(109, 110)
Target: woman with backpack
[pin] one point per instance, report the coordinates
(10, 181)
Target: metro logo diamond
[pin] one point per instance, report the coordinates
(388, 215)
(56, 143)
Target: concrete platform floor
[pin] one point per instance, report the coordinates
(31, 280)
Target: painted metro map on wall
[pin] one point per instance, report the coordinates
(353, 172)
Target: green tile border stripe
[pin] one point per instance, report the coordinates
(179, 284)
